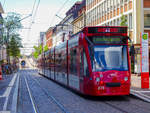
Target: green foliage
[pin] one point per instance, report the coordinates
(12, 22)
(10, 26)
(123, 20)
(37, 51)
(1, 62)
(35, 54)
(14, 45)
(10, 38)
(45, 48)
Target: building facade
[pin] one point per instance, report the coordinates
(42, 39)
(49, 34)
(79, 17)
(62, 31)
(109, 12)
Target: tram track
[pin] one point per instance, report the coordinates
(116, 106)
(130, 103)
(31, 98)
(125, 105)
(138, 105)
(112, 106)
(63, 109)
(26, 103)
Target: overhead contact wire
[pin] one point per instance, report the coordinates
(59, 11)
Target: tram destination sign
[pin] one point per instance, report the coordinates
(109, 39)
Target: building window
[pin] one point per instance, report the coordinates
(114, 22)
(130, 21)
(121, 2)
(147, 19)
(118, 22)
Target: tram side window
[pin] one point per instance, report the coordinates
(86, 71)
(81, 63)
(73, 66)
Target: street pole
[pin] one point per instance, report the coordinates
(7, 45)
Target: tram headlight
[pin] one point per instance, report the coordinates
(97, 79)
(125, 78)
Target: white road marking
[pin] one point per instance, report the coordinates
(143, 91)
(7, 92)
(145, 99)
(4, 111)
(15, 95)
(140, 91)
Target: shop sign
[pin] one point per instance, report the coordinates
(145, 53)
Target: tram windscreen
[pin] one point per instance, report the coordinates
(109, 58)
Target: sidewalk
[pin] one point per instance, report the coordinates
(136, 89)
(8, 93)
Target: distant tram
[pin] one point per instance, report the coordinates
(93, 62)
(23, 63)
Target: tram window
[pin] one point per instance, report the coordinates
(81, 62)
(73, 65)
(86, 72)
(59, 58)
(74, 52)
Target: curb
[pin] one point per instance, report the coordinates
(140, 96)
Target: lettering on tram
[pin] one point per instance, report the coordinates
(108, 39)
(94, 61)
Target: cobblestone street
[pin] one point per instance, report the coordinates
(37, 94)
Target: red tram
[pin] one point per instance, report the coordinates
(94, 62)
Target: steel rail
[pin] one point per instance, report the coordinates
(31, 97)
(52, 97)
(120, 109)
(115, 107)
(112, 105)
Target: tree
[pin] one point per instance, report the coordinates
(123, 20)
(37, 51)
(11, 25)
(14, 45)
(45, 48)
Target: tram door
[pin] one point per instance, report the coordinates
(83, 68)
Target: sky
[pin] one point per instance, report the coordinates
(41, 19)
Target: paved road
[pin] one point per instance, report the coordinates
(37, 94)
